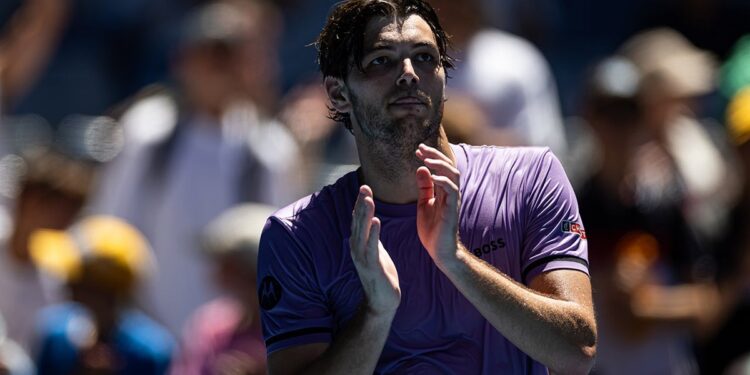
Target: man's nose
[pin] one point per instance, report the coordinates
(408, 76)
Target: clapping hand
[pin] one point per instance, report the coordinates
(374, 266)
(438, 204)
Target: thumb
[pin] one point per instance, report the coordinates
(425, 185)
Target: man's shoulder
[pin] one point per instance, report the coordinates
(307, 238)
(503, 150)
(512, 170)
(505, 157)
(326, 210)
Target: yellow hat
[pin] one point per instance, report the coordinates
(738, 117)
(113, 251)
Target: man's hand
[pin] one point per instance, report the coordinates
(356, 349)
(374, 266)
(438, 204)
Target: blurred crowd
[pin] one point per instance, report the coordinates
(144, 143)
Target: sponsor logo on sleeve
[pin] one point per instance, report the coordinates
(269, 292)
(571, 227)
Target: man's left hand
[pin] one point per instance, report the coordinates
(438, 204)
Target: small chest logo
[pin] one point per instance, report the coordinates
(269, 292)
(489, 247)
(571, 227)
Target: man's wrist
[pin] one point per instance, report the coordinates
(454, 259)
(379, 318)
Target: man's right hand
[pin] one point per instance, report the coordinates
(374, 266)
(356, 349)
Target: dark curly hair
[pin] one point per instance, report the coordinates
(340, 43)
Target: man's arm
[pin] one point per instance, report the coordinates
(357, 348)
(553, 322)
(354, 351)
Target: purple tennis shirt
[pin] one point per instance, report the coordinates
(518, 213)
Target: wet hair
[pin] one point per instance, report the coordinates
(341, 42)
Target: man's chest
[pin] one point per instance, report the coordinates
(430, 303)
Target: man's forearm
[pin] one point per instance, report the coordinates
(357, 348)
(560, 334)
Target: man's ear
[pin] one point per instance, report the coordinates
(338, 94)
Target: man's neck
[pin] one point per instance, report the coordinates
(396, 184)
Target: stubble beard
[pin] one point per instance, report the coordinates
(391, 143)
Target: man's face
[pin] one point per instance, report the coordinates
(397, 101)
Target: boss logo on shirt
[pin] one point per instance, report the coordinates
(269, 292)
(489, 247)
(571, 227)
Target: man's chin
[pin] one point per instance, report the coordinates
(415, 130)
(412, 120)
(412, 123)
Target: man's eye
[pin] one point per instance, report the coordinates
(379, 61)
(425, 57)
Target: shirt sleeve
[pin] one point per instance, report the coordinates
(294, 309)
(554, 234)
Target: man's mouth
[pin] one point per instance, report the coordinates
(408, 100)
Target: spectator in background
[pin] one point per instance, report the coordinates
(465, 121)
(224, 335)
(13, 359)
(102, 261)
(193, 151)
(27, 44)
(304, 19)
(632, 241)
(660, 169)
(713, 25)
(728, 343)
(327, 149)
(50, 194)
(507, 77)
(674, 74)
(72, 58)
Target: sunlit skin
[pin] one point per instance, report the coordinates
(405, 53)
(395, 102)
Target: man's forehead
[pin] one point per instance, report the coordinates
(386, 30)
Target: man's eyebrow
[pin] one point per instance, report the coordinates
(425, 44)
(389, 46)
(380, 47)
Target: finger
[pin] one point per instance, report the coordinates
(374, 238)
(366, 221)
(440, 167)
(366, 190)
(447, 189)
(368, 201)
(360, 220)
(431, 152)
(357, 214)
(425, 185)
